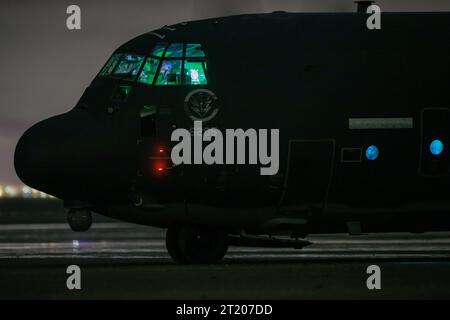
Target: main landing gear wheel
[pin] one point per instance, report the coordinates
(79, 219)
(172, 244)
(196, 244)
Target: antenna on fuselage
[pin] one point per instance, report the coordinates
(361, 6)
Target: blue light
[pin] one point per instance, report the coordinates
(372, 152)
(436, 147)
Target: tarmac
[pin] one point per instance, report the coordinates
(126, 261)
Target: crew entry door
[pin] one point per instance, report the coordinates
(308, 175)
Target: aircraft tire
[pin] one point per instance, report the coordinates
(202, 245)
(79, 220)
(172, 244)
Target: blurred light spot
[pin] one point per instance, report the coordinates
(26, 192)
(372, 152)
(11, 191)
(436, 147)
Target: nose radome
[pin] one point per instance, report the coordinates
(49, 155)
(70, 155)
(35, 158)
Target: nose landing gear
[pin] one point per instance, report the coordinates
(196, 244)
(79, 220)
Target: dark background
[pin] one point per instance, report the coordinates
(45, 67)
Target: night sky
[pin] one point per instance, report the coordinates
(45, 67)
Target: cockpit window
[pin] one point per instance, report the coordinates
(129, 66)
(110, 65)
(194, 72)
(175, 50)
(168, 64)
(149, 71)
(189, 71)
(159, 48)
(169, 73)
(194, 50)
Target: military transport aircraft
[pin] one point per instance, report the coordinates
(363, 118)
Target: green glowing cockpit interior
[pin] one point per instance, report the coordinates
(174, 50)
(129, 66)
(169, 73)
(194, 50)
(149, 71)
(195, 72)
(159, 49)
(168, 64)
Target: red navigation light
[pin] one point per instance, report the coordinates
(160, 160)
(160, 166)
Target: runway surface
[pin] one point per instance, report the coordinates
(127, 241)
(120, 260)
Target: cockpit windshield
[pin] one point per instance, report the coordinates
(168, 64)
(169, 73)
(129, 66)
(110, 65)
(149, 71)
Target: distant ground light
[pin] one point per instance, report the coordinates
(13, 191)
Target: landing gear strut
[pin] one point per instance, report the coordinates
(196, 244)
(79, 219)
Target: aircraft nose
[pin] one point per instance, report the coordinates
(37, 160)
(73, 156)
(56, 155)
